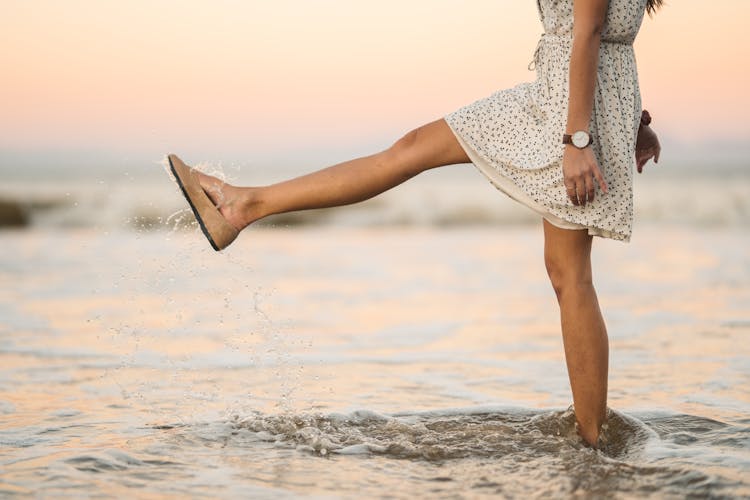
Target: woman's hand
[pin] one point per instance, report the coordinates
(646, 147)
(580, 174)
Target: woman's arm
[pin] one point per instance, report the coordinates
(580, 169)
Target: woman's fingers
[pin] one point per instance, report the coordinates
(641, 161)
(570, 188)
(589, 189)
(600, 178)
(644, 155)
(581, 175)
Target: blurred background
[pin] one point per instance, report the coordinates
(94, 94)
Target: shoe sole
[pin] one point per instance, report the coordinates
(197, 215)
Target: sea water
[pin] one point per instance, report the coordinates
(393, 361)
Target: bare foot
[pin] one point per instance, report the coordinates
(233, 202)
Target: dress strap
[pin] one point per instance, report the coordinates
(537, 52)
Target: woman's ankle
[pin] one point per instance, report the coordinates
(242, 206)
(590, 435)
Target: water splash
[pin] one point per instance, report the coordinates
(444, 435)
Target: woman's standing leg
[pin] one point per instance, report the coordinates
(567, 255)
(432, 145)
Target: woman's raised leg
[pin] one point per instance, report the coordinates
(567, 255)
(432, 145)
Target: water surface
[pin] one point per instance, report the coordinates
(340, 362)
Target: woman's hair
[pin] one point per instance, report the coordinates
(652, 5)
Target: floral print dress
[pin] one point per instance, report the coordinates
(514, 136)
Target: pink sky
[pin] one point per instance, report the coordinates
(260, 75)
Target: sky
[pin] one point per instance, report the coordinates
(306, 81)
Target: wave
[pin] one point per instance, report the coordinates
(145, 204)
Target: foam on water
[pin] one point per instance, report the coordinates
(540, 450)
(441, 435)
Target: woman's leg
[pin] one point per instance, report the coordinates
(567, 255)
(432, 145)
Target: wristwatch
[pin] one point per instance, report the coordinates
(580, 139)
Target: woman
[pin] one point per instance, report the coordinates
(563, 145)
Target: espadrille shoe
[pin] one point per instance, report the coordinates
(219, 232)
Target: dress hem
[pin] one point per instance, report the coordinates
(509, 188)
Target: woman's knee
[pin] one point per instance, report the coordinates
(429, 146)
(566, 273)
(406, 148)
(567, 257)
(407, 141)
(399, 156)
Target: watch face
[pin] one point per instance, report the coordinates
(580, 139)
